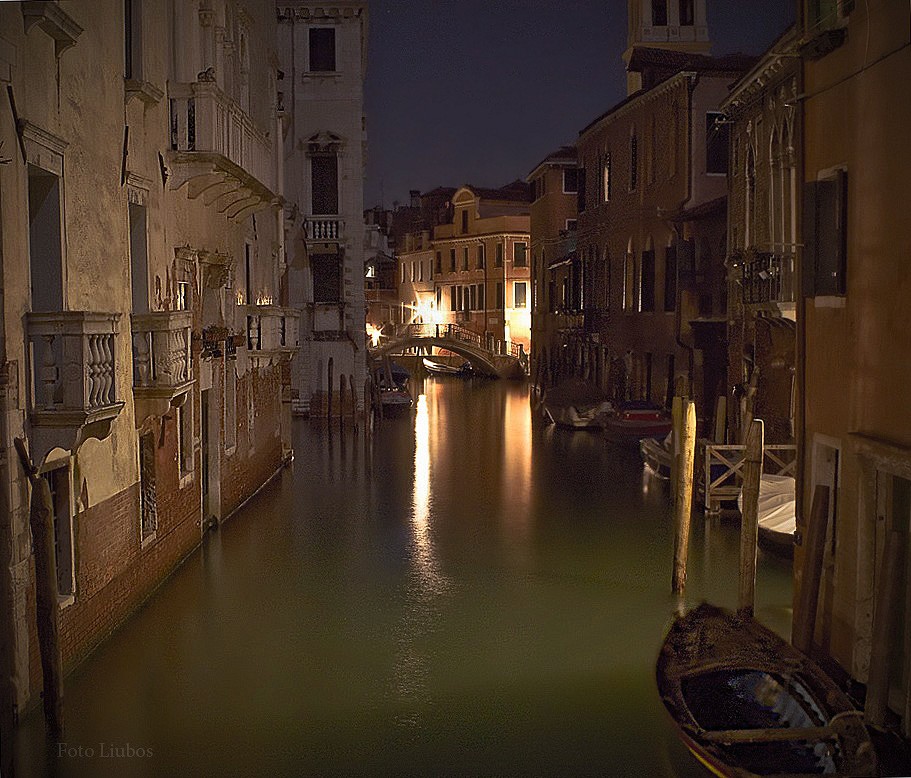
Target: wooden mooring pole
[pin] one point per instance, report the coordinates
(46, 606)
(683, 498)
(811, 573)
(749, 522)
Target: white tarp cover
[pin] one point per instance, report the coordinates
(776, 504)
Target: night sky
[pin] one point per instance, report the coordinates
(479, 91)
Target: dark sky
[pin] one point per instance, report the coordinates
(479, 91)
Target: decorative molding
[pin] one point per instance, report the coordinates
(144, 90)
(51, 18)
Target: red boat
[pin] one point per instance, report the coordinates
(636, 420)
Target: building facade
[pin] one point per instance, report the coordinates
(854, 423)
(763, 193)
(323, 58)
(144, 361)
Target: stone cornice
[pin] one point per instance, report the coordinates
(322, 13)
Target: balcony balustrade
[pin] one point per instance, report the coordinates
(73, 371)
(273, 332)
(768, 279)
(321, 228)
(162, 367)
(217, 150)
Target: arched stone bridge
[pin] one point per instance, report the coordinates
(487, 356)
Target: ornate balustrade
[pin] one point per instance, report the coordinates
(162, 366)
(218, 150)
(271, 330)
(325, 228)
(73, 371)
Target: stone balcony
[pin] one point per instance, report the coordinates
(325, 228)
(768, 281)
(218, 152)
(73, 373)
(272, 332)
(162, 366)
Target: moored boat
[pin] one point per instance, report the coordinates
(746, 702)
(442, 368)
(657, 455)
(777, 512)
(582, 416)
(636, 420)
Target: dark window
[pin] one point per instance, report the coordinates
(465, 258)
(633, 162)
(324, 184)
(499, 295)
(452, 299)
(670, 278)
(571, 181)
(482, 302)
(132, 39)
(452, 265)
(686, 13)
(825, 234)
(580, 192)
(716, 143)
(520, 254)
(520, 294)
(465, 221)
(327, 286)
(498, 260)
(481, 256)
(458, 298)
(45, 245)
(659, 13)
(322, 49)
(438, 269)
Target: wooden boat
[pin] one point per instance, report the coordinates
(777, 513)
(657, 455)
(394, 397)
(636, 420)
(441, 368)
(745, 702)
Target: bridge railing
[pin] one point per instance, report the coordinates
(481, 341)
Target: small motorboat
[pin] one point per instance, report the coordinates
(658, 454)
(394, 397)
(579, 417)
(636, 420)
(777, 512)
(746, 702)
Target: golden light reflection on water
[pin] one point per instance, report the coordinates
(517, 468)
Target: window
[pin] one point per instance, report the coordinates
(629, 277)
(45, 246)
(520, 254)
(327, 278)
(520, 293)
(480, 256)
(659, 13)
(139, 260)
(686, 13)
(439, 291)
(183, 296)
(465, 258)
(439, 263)
(148, 505)
(414, 272)
(633, 161)
(403, 272)
(825, 215)
(670, 278)
(322, 49)
(499, 298)
(716, 143)
(132, 40)
(459, 298)
(324, 184)
(185, 435)
(452, 299)
(608, 178)
(465, 220)
(498, 257)
(58, 481)
(647, 282)
(570, 181)
(482, 298)
(452, 264)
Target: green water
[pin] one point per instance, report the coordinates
(473, 594)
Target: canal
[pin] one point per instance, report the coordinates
(474, 593)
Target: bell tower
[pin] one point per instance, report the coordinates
(677, 25)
